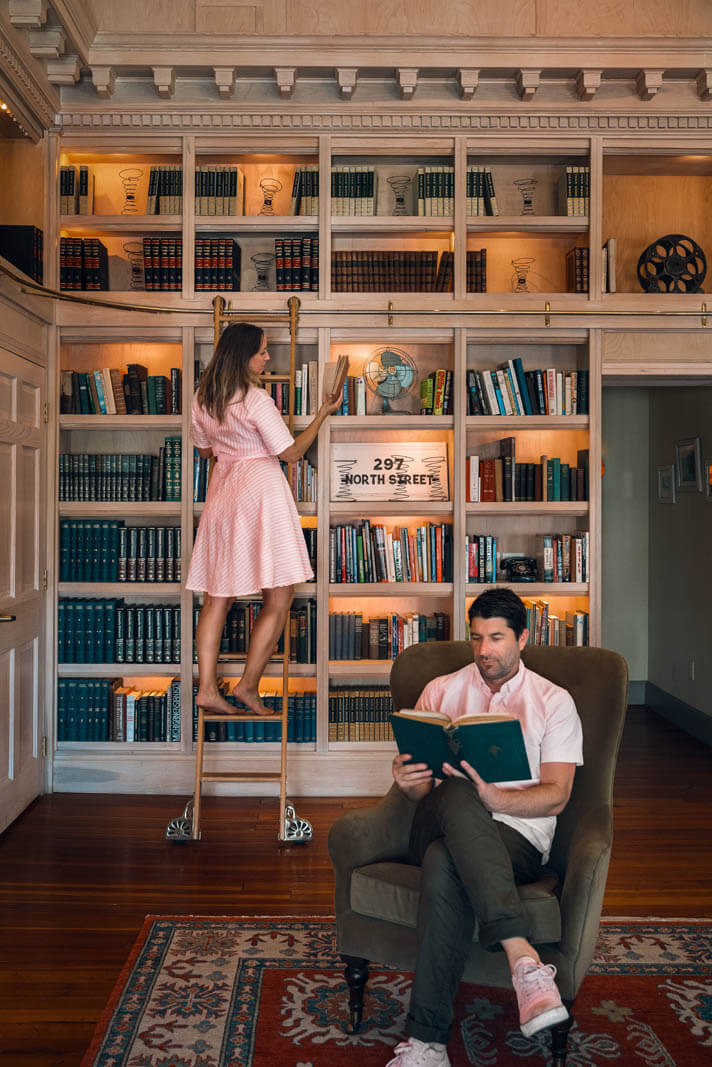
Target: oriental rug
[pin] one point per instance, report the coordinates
(265, 992)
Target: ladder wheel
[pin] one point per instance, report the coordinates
(296, 831)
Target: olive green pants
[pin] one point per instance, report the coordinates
(471, 867)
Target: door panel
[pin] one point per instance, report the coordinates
(22, 470)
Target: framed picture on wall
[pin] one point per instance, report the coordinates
(707, 475)
(688, 465)
(666, 484)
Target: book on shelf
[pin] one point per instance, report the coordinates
(217, 263)
(577, 260)
(353, 190)
(304, 199)
(382, 637)
(510, 390)
(85, 202)
(384, 270)
(219, 190)
(492, 744)
(296, 263)
(108, 630)
(109, 391)
(23, 247)
(609, 255)
(360, 713)
(369, 552)
(335, 373)
(68, 190)
(165, 190)
(574, 196)
(163, 263)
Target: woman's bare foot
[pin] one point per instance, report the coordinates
(212, 701)
(251, 699)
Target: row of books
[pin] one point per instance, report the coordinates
(510, 390)
(547, 628)
(476, 271)
(305, 190)
(163, 264)
(575, 191)
(83, 263)
(436, 393)
(23, 246)
(110, 391)
(492, 474)
(101, 709)
(559, 558)
(107, 630)
(302, 481)
(306, 389)
(296, 263)
(106, 550)
(362, 552)
(219, 189)
(358, 713)
(202, 467)
(353, 190)
(76, 190)
(577, 278)
(383, 270)
(218, 261)
(165, 190)
(352, 637)
(243, 614)
(89, 476)
(301, 719)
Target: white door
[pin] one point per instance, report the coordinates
(22, 452)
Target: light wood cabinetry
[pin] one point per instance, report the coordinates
(636, 193)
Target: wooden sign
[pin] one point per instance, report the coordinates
(394, 470)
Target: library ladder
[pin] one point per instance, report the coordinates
(291, 828)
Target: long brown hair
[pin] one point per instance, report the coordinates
(229, 369)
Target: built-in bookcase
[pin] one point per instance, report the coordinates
(335, 191)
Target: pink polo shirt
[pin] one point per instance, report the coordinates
(550, 725)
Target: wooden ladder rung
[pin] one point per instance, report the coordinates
(241, 776)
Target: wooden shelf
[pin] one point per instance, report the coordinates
(527, 422)
(530, 589)
(120, 422)
(140, 509)
(89, 224)
(533, 224)
(420, 589)
(368, 668)
(109, 589)
(347, 509)
(393, 224)
(256, 223)
(117, 670)
(528, 507)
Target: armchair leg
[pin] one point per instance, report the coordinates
(560, 1037)
(356, 974)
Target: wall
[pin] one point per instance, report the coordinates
(22, 166)
(463, 18)
(680, 563)
(625, 493)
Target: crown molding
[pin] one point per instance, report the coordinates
(34, 104)
(613, 54)
(393, 121)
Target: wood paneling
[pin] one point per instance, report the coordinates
(81, 872)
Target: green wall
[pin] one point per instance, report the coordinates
(625, 493)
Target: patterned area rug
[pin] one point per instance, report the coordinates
(230, 992)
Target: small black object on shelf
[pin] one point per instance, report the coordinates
(672, 264)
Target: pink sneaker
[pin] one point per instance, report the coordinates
(537, 996)
(415, 1053)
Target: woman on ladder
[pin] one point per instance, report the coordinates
(249, 540)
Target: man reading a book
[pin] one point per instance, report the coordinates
(476, 841)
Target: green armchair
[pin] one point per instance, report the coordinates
(376, 891)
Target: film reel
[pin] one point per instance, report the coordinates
(672, 264)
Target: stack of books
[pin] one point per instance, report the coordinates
(163, 263)
(352, 637)
(305, 191)
(577, 270)
(107, 630)
(91, 476)
(353, 190)
(547, 628)
(83, 263)
(98, 709)
(480, 193)
(106, 550)
(382, 270)
(76, 190)
(217, 263)
(436, 393)
(493, 474)
(165, 190)
(362, 552)
(111, 391)
(575, 191)
(296, 261)
(23, 247)
(219, 190)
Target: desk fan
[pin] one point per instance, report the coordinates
(390, 373)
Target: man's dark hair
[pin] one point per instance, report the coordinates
(501, 604)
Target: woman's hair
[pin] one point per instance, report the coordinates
(229, 370)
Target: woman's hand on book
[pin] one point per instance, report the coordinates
(415, 780)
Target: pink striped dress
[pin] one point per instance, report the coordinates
(249, 537)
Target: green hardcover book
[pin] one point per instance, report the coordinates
(492, 744)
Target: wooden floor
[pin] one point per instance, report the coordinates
(78, 874)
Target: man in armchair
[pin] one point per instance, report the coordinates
(476, 841)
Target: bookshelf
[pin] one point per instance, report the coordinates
(635, 192)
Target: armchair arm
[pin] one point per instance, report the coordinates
(368, 835)
(585, 881)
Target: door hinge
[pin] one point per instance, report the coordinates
(45, 412)
(43, 747)
(45, 578)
